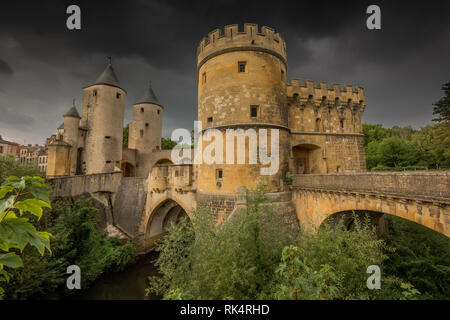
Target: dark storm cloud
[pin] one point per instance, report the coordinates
(401, 66)
(12, 119)
(5, 68)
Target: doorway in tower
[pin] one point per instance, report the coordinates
(305, 159)
(79, 169)
(128, 169)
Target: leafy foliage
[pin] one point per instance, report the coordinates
(398, 147)
(249, 257)
(77, 241)
(332, 264)
(9, 167)
(442, 108)
(126, 131)
(20, 200)
(422, 257)
(235, 260)
(167, 144)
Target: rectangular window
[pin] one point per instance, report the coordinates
(219, 174)
(108, 161)
(254, 111)
(142, 133)
(210, 121)
(241, 66)
(95, 93)
(117, 95)
(1, 149)
(159, 111)
(282, 75)
(107, 137)
(342, 124)
(204, 77)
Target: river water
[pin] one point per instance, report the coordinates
(129, 284)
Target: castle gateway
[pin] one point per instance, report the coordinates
(242, 84)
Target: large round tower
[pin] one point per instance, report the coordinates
(242, 85)
(145, 130)
(103, 114)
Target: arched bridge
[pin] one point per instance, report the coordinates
(422, 197)
(143, 208)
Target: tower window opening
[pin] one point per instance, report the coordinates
(107, 137)
(142, 109)
(108, 161)
(210, 121)
(342, 123)
(204, 77)
(95, 93)
(141, 133)
(282, 75)
(159, 111)
(146, 124)
(242, 66)
(253, 111)
(219, 174)
(318, 123)
(118, 95)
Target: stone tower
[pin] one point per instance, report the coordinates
(71, 128)
(145, 130)
(102, 120)
(242, 85)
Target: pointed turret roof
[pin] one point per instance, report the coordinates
(149, 97)
(108, 76)
(73, 112)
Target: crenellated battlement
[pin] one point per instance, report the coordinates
(230, 39)
(309, 90)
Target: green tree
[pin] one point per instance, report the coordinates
(76, 241)
(20, 200)
(167, 144)
(126, 131)
(235, 260)
(374, 132)
(442, 107)
(9, 167)
(395, 152)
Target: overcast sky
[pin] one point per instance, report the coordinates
(43, 65)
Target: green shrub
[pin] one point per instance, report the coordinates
(235, 260)
(76, 242)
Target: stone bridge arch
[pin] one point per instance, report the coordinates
(158, 218)
(314, 206)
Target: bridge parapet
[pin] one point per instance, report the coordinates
(411, 184)
(77, 185)
(169, 176)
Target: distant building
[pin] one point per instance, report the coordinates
(32, 155)
(8, 147)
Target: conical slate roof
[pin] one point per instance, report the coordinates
(108, 77)
(61, 126)
(148, 97)
(72, 113)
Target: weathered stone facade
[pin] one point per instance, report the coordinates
(241, 85)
